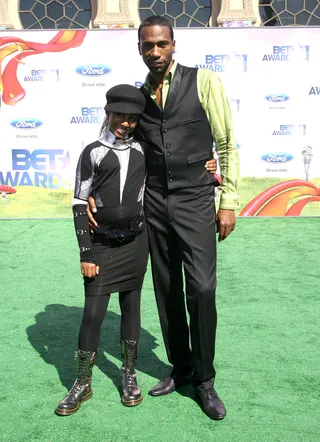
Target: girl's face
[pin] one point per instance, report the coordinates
(122, 125)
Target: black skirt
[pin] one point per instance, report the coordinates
(122, 267)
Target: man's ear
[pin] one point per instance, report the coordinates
(139, 48)
(174, 46)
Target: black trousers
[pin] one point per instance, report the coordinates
(182, 233)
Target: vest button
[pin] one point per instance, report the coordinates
(164, 120)
(165, 130)
(167, 154)
(167, 146)
(170, 172)
(170, 181)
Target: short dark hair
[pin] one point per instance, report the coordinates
(155, 20)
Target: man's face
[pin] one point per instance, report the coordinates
(122, 125)
(156, 48)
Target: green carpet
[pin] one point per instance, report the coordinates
(267, 357)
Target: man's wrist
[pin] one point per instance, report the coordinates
(229, 202)
(228, 205)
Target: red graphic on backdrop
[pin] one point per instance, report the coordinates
(274, 201)
(6, 190)
(10, 87)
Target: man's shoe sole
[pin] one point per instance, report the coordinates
(186, 381)
(152, 393)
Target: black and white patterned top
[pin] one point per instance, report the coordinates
(113, 172)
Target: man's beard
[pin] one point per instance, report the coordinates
(159, 70)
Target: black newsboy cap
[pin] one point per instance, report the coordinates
(125, 99)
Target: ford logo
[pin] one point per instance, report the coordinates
(93, 70)
(277, 98)
(277, 157)
(26, 123)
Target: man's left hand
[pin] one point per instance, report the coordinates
(226, 223)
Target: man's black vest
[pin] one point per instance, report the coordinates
(178, 139)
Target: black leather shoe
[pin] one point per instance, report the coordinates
(169, 384)
(209, 400)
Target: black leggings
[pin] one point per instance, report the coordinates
(95, 309)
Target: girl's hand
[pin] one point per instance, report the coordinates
(211, 166)
(91, 208)
(89, 269)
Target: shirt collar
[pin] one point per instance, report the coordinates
(149, 83)
(110, 137)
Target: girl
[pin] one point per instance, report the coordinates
(114, 258)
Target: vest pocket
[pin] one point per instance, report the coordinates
(198, 156)
(193, 121)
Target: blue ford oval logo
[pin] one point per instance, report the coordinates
(93, 70)
(277, 98)
(26, 123)
(277, 157)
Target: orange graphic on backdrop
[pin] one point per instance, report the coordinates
(10, 87)
(274, 201)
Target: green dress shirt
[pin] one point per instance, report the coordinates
(216, 106)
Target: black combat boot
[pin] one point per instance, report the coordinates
(131, 392)
(81, 389)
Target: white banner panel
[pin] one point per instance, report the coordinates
(53, 85)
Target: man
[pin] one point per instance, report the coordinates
(186, 111)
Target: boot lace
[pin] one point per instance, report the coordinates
(130, 380)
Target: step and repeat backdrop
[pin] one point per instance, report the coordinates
(52, 94)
